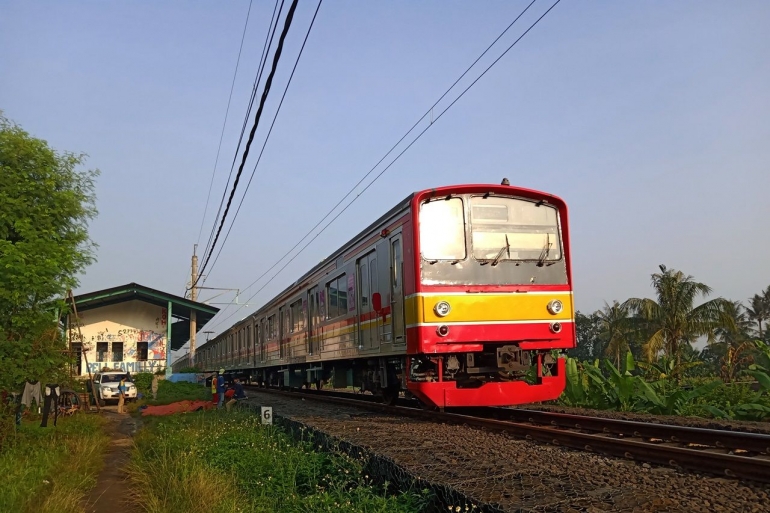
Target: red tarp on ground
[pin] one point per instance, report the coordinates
(178, 407)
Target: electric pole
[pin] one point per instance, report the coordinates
(194, 297)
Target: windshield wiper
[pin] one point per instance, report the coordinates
(507, 248)
(546, 250)
(499, 255)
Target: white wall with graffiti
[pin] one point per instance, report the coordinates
(130, 336)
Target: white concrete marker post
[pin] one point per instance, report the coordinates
(267, 415)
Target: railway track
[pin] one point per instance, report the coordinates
(721, 452)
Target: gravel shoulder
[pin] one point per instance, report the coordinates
(518, 475)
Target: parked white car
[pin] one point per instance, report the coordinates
(106, 385)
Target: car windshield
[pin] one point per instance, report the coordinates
(113, 378)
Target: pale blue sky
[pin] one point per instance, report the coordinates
(650, 118)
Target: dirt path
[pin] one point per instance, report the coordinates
(109, 495)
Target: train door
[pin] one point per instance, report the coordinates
(397, 290)
(368, 337)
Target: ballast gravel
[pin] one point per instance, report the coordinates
(519, 475)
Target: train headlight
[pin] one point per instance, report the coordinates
(442, 308)
(555, 307)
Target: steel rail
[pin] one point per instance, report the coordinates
(718, 438)
(755, 468)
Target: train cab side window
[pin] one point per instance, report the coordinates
(337, 294)
(442, 230)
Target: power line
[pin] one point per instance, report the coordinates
(265, 92)
(269, 35)
(259, 158)
(433, 121)
(224, 123)
(388, 152)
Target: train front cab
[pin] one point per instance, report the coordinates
(492, 298)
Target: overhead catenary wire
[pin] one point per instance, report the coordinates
(433, 121)
(269, 35)
(429, 111)
(265, 92)
(224, 123)
(267, 138)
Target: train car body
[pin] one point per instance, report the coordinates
(459, 295)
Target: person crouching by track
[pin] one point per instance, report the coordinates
(237, 394)
(221, 388)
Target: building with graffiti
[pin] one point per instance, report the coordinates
(131, 328)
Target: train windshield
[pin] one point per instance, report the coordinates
(513, 229)
(442, 229)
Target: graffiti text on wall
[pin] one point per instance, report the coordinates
(148, 366)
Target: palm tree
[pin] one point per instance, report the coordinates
(737, 331)
(613, 323)
(673, 319)
(759, 309)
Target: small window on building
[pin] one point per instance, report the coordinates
(272, 329)
(102, 351)
(117, 351)
(141, 351)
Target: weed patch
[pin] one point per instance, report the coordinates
(218, 461)
(50, 469)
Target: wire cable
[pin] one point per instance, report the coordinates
(263, 99)
(378, 162)
(224, 123)
(389, 165)
(271, 29)
(259, 158)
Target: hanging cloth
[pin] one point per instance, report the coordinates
(52, 393)
(31, 391)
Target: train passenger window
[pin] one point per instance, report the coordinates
(364, 278)
(337, 294)
(442, 230)
(297, 316)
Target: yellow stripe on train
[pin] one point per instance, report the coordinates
(481, 307)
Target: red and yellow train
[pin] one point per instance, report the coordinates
(459, 295)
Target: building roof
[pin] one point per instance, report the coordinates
(181, 308)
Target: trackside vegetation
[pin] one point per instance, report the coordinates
(640, 355)
(228, 462)
(49, 470)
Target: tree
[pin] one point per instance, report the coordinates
(45, 205)
(673, 319)
(759, 309)
(614, 326)
(737, 331)
(587, 330)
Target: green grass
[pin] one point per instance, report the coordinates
(227, 462)
(49, 470)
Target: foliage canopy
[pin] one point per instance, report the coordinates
(46, 201)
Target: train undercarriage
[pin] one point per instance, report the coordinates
(499, 375)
